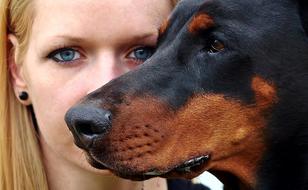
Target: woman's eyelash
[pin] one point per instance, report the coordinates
(64, 55)
(71, 56)
(141, 53)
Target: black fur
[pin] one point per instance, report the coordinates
(267, 38)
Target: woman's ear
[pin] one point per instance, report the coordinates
(16, 70)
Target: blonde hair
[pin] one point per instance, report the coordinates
(21, 165)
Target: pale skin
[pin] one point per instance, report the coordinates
(102, 39)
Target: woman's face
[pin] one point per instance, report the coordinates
(75, 47)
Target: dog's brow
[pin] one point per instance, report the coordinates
(164, 27)
(200, 22)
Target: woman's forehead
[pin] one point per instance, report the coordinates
(102, 11)
(82, 18)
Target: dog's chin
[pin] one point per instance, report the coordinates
(187, 169)
(95, 163)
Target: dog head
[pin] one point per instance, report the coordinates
(206, 99)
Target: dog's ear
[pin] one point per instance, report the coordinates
(303, 11)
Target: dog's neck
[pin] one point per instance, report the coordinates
(230, 181)
(285, 163)
(239, 172)
(284, 168)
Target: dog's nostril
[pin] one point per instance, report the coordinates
(87, 123)
(89, 128)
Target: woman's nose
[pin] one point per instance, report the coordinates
(87, 123)
(103, 72)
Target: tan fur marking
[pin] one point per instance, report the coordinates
(164, 27)
(228, 130)
(147, 134)
(200, 22)
(231, 131)
(265, 92)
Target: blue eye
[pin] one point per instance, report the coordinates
(142, 53)
(65, 55)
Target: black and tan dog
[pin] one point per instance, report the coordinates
(226, 91)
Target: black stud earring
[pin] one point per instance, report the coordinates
(23, 96)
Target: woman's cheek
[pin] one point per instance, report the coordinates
(50, 104)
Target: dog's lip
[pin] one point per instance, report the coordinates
(186, 166)
(195, 162)
(94, 163)
(190, 166)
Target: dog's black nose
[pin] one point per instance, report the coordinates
(87, 123)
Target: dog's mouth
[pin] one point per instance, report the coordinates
(191, 165)
(189, 168)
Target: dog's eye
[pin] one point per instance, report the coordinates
(215, 47)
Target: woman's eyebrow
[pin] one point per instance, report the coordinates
(129, 37)
(69, 38)
(140, 37)
(52, 42)
(145, 36)
(133, 35)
